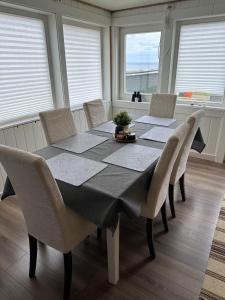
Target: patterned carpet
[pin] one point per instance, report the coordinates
(214, 282)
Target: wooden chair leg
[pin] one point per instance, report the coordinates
(182, 189)
(99, 233)
(113, 253)
(33, 255)
(149, 231)
(171, 200)
(67, 275)
(164, 218)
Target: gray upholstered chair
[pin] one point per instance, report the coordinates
(58, 124)
(95, 113)
(181, 161)
(47, 218)
(163, 105)
(158, 190)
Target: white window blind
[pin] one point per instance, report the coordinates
(25, 87)
(201, 62)
(83, 61)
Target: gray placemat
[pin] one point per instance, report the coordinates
(108, 127)
(80, 142)
(155, 120)
(74, 169)
(134, 157)
(158, 134)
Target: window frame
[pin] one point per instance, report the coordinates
(45, 20)
(175, 51)
(122, 77)
(72, 22)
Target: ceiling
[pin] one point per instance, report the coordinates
(114, 5)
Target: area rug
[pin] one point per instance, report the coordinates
(214, 282)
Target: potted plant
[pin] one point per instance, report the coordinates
(122, 120)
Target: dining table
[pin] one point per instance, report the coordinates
(111, 192)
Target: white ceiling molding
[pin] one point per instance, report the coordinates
(117, 5)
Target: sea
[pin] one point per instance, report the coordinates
(142, 66)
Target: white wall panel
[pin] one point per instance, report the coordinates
(67, 8)
(20, 137)
(10, 138)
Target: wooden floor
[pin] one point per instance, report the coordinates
(176, 273)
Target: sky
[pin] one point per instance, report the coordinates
(142, 48)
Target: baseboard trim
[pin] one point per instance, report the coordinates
(204, 156)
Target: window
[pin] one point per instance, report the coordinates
(24, 74)
(83, 61)
(142, 51)
(201, 63)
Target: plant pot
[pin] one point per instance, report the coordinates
(126, 129)
(118, 129)
(121, 131)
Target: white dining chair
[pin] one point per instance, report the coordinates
(47, 219)
(95, 113)
(58, 124)
(179, 168)
(163, 105)
(158, 189)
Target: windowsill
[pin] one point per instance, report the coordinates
(217, 107)
(80, 106)
(130, 105)
(19, 122)
(35, 118)
(145, 105)
(146, 98)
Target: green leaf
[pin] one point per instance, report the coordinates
(122, 119)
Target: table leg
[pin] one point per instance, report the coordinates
(113, 254)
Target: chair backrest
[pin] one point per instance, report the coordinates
(181, 161)
(160, 180)
(58, 124)
(163, 105)
(38, 196)
(95, 113)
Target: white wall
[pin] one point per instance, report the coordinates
(67, 8)
(213, 125)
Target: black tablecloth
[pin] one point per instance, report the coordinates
(113, 190)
